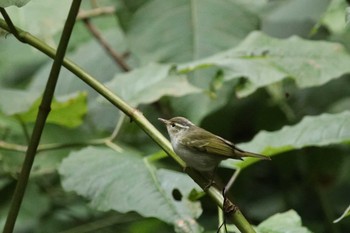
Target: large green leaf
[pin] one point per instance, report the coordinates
(125, 181)
(322, 130)
(149, 83)
(285, 222)
(264, 60)
(288, 221)
(183, 30)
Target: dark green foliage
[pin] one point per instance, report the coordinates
(271, 76)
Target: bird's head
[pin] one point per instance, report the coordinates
(176, 126)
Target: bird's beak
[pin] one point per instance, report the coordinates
(164, 121)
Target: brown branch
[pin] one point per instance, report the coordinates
(96, 12)
(12, 147)
(115, 56)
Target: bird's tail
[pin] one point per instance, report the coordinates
(243, 153)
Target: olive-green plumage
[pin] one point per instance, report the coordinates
(199, 148)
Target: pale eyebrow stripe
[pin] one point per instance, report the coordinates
(182, 126)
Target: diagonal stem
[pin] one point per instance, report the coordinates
(234, 214)
(44, 110)
(11, 26)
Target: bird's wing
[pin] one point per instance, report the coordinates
(207, 142)
(211, 144)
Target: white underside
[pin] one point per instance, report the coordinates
(197, 160)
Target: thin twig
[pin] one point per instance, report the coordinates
(24, 128)
(115, 56)
(118, 59)
(232, 180)
(44, 110)
(12, 147)
(52, 146)
(88, 14)
(56, 146)
(117, 127)
(222, 228)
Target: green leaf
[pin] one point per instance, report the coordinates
(18, 3)
(182, 30)
(344, 215)
(285, 222)
(263, 60)
(14, 101)
(149, 83)
(322, 130)
(69, 112)
(336, 17)
(125, 181)
(39, 19)
(288, 221)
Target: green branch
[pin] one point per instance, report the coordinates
(44, 110)
(52, 146)
(231, 210)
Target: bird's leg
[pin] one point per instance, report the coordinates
(185, 169)
(223, 213)
(231, 181)
(211, 179)
(207, 175)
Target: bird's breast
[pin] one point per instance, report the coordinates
(197, 160)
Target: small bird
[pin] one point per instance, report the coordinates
(201, 149)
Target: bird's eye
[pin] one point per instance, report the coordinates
(173, 125)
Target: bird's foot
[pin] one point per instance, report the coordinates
(207, 186)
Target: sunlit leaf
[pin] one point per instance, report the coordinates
(69, 112)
